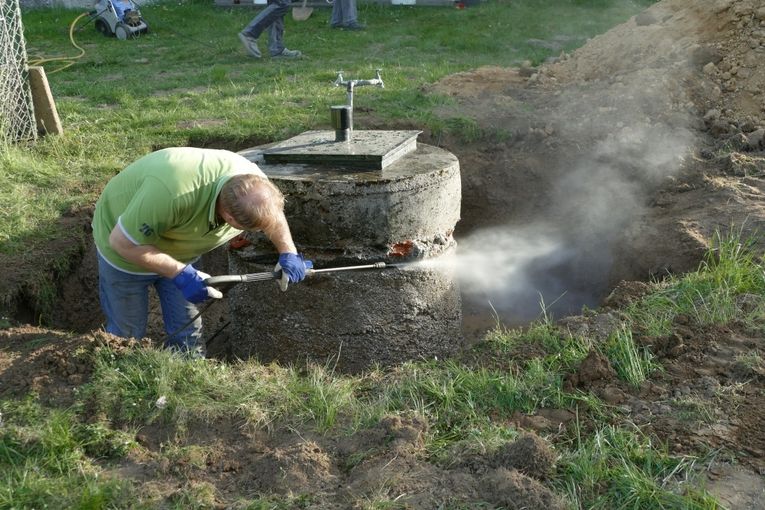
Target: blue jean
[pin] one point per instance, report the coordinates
(272, 17)
(125, 302)
(343, 13)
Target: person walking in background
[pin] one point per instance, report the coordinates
(272, 17)
(344, 15)
(157, 216)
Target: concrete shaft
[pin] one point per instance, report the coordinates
(355, 320)
(348, 320)
(418, 197)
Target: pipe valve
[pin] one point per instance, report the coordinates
(342, 116)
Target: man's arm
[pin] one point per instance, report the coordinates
(185, 277)
(145, 255)
(281, 237)
(291, 264)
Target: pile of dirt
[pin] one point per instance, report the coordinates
(49, 362)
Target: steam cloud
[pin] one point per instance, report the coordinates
(620, 149)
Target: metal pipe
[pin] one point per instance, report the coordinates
(275, 275)
(376, 265)
(342, 121)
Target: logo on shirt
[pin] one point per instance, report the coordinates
(146, 230)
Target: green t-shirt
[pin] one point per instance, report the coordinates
(167, 199)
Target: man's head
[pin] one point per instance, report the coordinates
(251, 202)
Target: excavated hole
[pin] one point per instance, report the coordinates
(565, 280)
(520, 255)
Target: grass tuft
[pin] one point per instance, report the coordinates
(709, 295)
(632, 363)
(45, 464)
(622, 468)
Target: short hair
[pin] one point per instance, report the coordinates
(253, 201)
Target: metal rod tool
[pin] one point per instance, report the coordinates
(276, 275)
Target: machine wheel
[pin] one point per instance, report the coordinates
(103, 27)
(122, 31)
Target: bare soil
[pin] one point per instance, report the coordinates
(628, 154)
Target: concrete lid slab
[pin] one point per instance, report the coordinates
(367, 149)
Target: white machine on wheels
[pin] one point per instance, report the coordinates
(119, 18)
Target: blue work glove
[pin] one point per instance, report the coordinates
(192, 284)
(293, 268)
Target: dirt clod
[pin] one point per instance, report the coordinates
(529, 454)
(593, 368)
(515, 491)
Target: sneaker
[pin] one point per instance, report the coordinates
(288, 54)
(250, 44)
(351, 26)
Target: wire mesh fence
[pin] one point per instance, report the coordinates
(17, 121)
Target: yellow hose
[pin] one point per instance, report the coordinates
(70, 61)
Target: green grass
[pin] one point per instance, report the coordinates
(48, 459)
(631, 362)
(151, 386)
(620, 468)
(466, 409)
(710, 295)
(752, 361)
